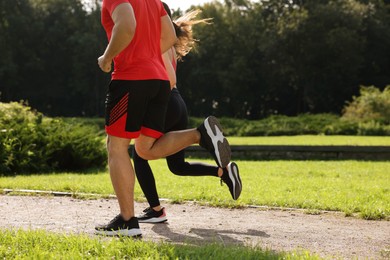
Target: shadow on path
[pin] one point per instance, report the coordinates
(199, 236)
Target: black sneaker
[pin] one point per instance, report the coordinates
(212, 139)
(152, 216)
(232, 179)
(119, 227)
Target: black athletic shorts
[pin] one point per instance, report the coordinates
(136, 106)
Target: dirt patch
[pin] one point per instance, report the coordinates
(328, 234)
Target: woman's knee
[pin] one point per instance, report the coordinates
(177, 168)
(136, 157)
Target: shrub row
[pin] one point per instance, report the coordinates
(29, 142)
(326, 124)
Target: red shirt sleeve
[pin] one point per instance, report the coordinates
(163, 12)
(112, 4)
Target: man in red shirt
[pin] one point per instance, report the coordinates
(136, 102)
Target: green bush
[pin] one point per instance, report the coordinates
(73, 146)
(371, 106)
(232, 127)
(94, 121)
(19, 128)
(284, 125)
(373, 128)
(340, 127)
(32, 143)
(305, 124)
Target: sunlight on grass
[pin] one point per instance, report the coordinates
(353, 187)
(98, 182)
(312, 140)
(39, 244)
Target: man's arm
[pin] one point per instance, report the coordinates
(168, 34)
(122, 34)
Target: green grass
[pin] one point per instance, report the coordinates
(348, 186)
(312, 140)
(19, 244)
(353, 187)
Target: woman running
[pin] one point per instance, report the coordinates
(177, 119)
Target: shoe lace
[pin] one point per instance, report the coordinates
(147, 209)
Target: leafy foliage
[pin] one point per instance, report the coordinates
(283, 125)
(32, 143)
(370, 111)
(257, 58)
(262, 58)
(371, 105)
(276, 125)
(50, 49)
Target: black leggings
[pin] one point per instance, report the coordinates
(176, 119)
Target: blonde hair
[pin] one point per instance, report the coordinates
(183, 27)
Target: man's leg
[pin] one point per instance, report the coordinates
(151, 148)
(122, 174)
(122, 178)
(209, 135)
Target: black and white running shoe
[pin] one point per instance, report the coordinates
(231, 177)
(152, 216)
(119, 227)
(213, 140)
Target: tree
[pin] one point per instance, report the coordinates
(220, 69)
(258, 58)
(320, 56)
(17, 25)
(50, 50)
(286, 57)
(376, 24)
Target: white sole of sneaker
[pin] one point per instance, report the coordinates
(220, 143)
(153, 220)
(134, 232)
(236, 180)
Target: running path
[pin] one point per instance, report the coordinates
(328, 234)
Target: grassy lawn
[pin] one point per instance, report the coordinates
(39, 244)
(353, 187)
(312, 140)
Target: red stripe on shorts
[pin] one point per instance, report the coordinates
(151, 133)
(119, 109)
(118, 129)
